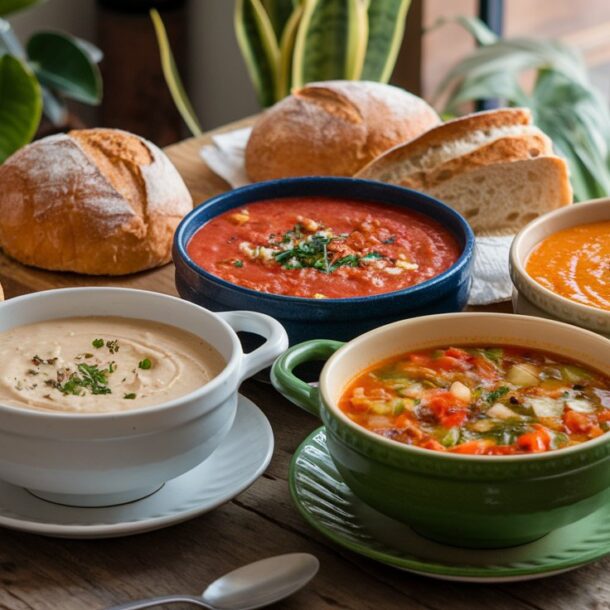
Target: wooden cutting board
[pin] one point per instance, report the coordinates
(202, 183)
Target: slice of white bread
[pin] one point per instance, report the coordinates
(501, 198)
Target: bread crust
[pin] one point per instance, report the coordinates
(99, 202)
(453, 130)
(502, 150)
(333, 128)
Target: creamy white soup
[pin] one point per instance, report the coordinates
(101, 364)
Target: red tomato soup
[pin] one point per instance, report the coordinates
(318, 247)
(484, 400)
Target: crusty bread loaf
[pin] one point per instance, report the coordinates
(95, 201)
(333, 128)
(503, 197)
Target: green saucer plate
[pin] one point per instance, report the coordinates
(329, 506)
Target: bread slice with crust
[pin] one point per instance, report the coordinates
(502, 150)
(453, 140)
(501, 198)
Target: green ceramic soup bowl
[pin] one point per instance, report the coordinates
(463, 500)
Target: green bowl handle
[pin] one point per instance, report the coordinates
(289, 385)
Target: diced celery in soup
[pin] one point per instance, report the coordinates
(493, 400)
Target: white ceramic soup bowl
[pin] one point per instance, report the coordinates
(532, 298)
(100, 459)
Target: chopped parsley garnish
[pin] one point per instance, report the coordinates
(145, 364)
(97, 343)
(238, 263)
(497, 394)
(312, 252)
(91, 378)
(129, 396)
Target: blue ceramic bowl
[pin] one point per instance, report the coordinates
(341, 319)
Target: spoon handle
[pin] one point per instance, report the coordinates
(151, 602)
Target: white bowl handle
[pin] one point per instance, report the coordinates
(260, 324)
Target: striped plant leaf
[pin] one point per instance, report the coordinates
(330, 41)
(279, 12)
(172, 77)
(386, 19)
(20, 105)
(287, 42)
(259, 48)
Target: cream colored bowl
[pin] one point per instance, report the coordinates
(99, 459)
(534, 299)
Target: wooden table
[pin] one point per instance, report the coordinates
(39, 573)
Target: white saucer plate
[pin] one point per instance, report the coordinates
(240, 459)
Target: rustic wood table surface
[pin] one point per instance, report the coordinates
(38, 573)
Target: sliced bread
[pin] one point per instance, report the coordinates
(501, 198)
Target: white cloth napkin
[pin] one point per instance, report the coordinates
(225, 157)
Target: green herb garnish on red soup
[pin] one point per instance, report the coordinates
(488, 400)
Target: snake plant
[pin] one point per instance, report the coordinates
(287, 43)
(36, 79)
(562, 98)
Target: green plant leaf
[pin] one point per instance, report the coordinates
(514, 57)
(387, 20)
(279, 12)
(499, 85)
(60, 62)
(477, 28)
(20, 105)
(259, 48)
(172, 77)
(12, 6)
(286, 50)
(576, 118)
(330, 42)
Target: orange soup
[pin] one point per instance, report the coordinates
(575, 263)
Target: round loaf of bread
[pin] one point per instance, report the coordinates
(333, 128)
(94, 201)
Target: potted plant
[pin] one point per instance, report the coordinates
(38, 78)
(287, 43)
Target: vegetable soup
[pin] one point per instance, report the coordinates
(488, 400)
(320, 247)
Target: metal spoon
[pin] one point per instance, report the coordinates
(258, 584)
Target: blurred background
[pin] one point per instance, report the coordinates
(203, 40)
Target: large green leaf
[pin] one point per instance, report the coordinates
(259, 48)
(172, 77)
(387, 20)
(284, 77)
(60, 62)
(279, 12)
(12, 6)
(330, 42)
(20, 105)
